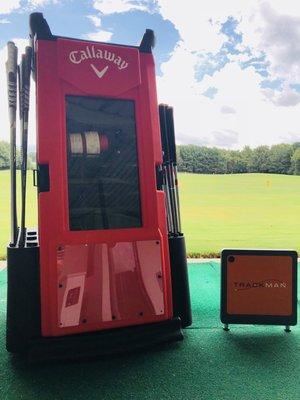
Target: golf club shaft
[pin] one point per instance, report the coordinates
(162, 120)
(11, 70)
(177, 197)
(25, 69)
(173, 167)
(167, 201)
(172, 194)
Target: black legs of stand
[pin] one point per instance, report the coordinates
(287, 328)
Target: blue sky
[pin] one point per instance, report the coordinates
(230, 69)
(71, 18)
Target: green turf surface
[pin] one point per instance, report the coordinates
(247, 210)
(249, 362)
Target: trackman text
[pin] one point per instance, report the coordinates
(267, 284)
(90, 52)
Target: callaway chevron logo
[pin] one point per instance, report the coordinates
(99, 73)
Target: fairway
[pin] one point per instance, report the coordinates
(243, 210)
(247, 210)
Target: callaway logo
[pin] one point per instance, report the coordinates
(90, 53)
(266, 284)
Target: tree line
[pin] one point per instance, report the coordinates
(277, 159)
(5, 157)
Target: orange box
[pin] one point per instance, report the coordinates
(259, 287)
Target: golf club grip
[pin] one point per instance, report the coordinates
(26, 76)
(21, 85)
(12, 55)
(11, 70)
(171, 135)
(163, 132)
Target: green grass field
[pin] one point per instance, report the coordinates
(31, 208)
(247, 210)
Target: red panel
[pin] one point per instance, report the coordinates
(107, 70)
(86, 257)
(103, 286)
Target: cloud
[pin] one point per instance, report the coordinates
(256, 120)
(107, 7)
(285, 98)
(40, 3)
(99, 36)
(7, 6)
(227, 110)
(199, 29)
(4, 21)
(274, 30)
(290, 137)
(95, 20)
(225, 139)
(243, 104)
(210, 92)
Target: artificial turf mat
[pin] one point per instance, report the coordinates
(249, 362)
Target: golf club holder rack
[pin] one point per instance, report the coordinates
(104, 274)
